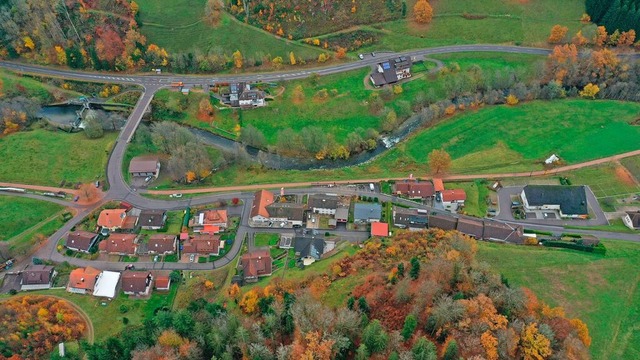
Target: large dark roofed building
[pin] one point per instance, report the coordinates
(391, 71)
(570, 201)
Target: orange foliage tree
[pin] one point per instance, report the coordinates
(422, 12)
(439, 161)
(558, 32)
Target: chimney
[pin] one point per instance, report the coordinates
(410, 176)
(81, 279)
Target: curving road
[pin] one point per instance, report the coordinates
(120, 190)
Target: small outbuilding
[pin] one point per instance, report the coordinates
(144, 166)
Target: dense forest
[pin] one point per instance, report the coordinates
(416, 296)
(619, 15)
(80, 34)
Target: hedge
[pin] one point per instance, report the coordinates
(598, 249)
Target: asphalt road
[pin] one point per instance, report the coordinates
(120, 190)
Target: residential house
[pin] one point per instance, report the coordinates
(203, 244)
(107, 284)
(241, 95)
(471, 227)
(309, 249)
(286, 213)
(452, 200)
(162, 283)
(412, 219)
(162, 244)
(391, 71)
(261, 200)
(438, 185)
(209, 221)
(631, 219)
(443, 222)
(342, 214)
(136, 283)
(379, 229)
(323, 204)
(83, 280)
(152, 219)
(567, 201)
(503, 232)
(144, 166)
(255, 264)
(120, 244)
(37, 277)
(414, 189)
(367, 212)
(116, 219)
(80, 240)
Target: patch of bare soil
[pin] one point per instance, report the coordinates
(624, 176)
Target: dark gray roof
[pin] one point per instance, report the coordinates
(572, 199)
(409, 218)
(503, 231)
(443, 222)
(37, 275)
(321, 201)
(307, 246)
(290, 211)
(151, 218)
(364, 211)
(378, 79)
(471, 227)
(635, 218)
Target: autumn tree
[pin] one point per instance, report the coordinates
(490, 345)
(558, 32)
(88, 192)
(579, 39)
(109, 44)
(277, 62)
(512, 100)
(205, 110)
(212, 12)
(627, 38)
(238, 60)
(439, 161)
(582, 330)
(341, 53)
(601, 36)
(534, 344)
(422, 12)
(292, 58)
(590, 91)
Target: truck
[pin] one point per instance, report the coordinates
(177, 84)
(7, 264)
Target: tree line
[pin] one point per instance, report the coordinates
(621, 15)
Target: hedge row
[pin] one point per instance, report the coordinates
(598, 249)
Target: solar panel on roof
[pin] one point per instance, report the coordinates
(386, 66)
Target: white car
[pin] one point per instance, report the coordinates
(192, 257)
(178, 195)
(361, 56)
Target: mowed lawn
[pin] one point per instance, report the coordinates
(178, 26)
(501, 138)
(46, 158)
(504, 22)
(601, 290)
(18, 214)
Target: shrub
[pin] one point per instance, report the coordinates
(124, 309)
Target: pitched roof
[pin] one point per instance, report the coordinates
(112, 218)
(501, 231)
(162, 282)
(443, 222)
(120, 244)
(454, 195)
(83, 278)
(635, 218)
(291, 211)
(438, 185)
(215, 216)
(153, 218)
(261, 200)
(37, 275)
(308, 246)
(572, 199)
(322, 201)
(342, 213)
(379, 229)
(471, 227)
(161, 243)
(203, 244)
(364, 211)
(409, 217)
(413, 188)
(143, 164)
(80, 239)
(256, 263)
(135, 281)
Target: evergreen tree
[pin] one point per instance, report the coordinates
(415, 268)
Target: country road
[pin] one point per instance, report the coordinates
(120, 190)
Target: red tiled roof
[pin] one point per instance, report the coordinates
(162, 282)
(83, 278)
(454, 195)
(438, 185)
(161, 243)
(261, 200)
(256, 263)
(379, 229)
(415, 189)
(119, 244)
(112, 218)
(202, 244)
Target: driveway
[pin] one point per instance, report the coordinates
(504, 211)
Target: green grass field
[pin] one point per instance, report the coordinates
(14, 85)
(601, 290)
(633, 165)
(18, 214)
(178, 26)
(604, 181)
(477, 192)
(266, 239)
(46, 158)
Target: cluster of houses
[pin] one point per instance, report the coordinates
(431, 192)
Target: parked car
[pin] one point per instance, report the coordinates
(192, 257)
(76, 198)
(373, 54)
(177, 195)
(361, 56)
(97, 184)
(148, 178)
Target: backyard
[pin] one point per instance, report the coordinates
(601, 290)
(44, 157)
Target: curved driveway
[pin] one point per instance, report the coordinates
(119, 189)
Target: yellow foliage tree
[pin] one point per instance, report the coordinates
(579, 39)
(490, 345)
(28, 43)
(422, 12)
(397, 89)
(601, 36)
(558, 32)
(134, 8)
(61, 55)
(439, 161)
(582, 330)
(208, 284)
(234, 290)
(535, 346)
(512, 100)
(323, 58)
(238, 60)
(249, 302)
(590, 91)
(627, 38)
(316, 42)
(170, 338)
(292, 58)
(277, 62)
(190, 176)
